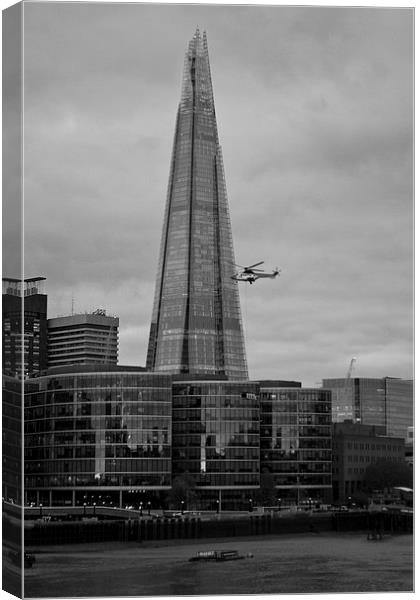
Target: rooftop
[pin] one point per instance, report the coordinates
(93, 368)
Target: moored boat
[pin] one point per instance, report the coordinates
(218, 555)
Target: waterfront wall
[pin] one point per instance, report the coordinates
(172, 529)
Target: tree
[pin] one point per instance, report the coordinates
(182, 494)
(360, 498)
(267, 495)
(386, 474)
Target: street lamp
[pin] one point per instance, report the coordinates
(149, 504)
(40, 511)
(141, 509)
(182, 507)
(94, 508)
(84, 509)
(217, 506)
(251, 508)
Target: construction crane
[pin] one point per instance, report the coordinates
(350, 371)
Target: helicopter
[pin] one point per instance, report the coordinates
(251, 274)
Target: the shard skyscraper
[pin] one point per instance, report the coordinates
(196, 323)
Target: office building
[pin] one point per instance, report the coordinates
(216, 440)
(97, 434)
(83, 339)
(12, 439)
(196, 323)
(121, 435)
(399, 406)
(355, 447)
(24, 355)
(296, 441)
(24, 340)
(385, 402)
(358, 400)
(409, 446)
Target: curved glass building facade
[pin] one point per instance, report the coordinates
(296, 441)
(12, 439)
(87, 433)
(124, 436)
(216, 439)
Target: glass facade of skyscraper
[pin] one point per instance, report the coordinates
(399, 406)
(196, 323)
(343, 401)
(296, 441)
(384, 402)
(358, 399)
(24, 340)
(96, 432)
(370, 396)
(216, 438)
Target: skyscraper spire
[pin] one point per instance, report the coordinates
(196, 323)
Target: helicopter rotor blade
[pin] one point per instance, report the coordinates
(256, 265)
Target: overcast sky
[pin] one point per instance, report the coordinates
(315, 118)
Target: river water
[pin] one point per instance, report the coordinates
(288, 564)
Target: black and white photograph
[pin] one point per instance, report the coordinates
(208, 299)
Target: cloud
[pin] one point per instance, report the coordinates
(315, 117)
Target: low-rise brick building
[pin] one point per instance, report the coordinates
(354, 448)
